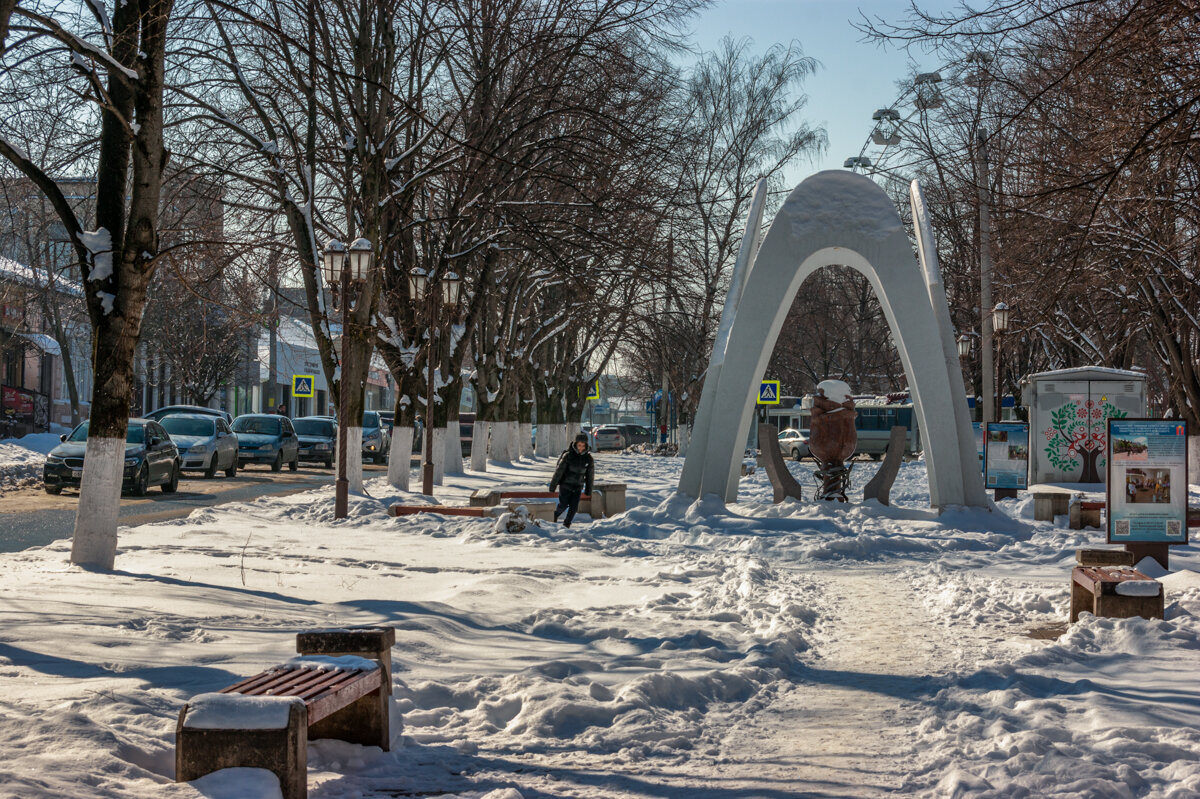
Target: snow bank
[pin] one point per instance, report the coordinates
(21, 459)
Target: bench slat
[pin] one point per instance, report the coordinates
(324, 691)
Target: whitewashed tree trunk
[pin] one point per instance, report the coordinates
(564, 433)
(681, 435)
(498, 447)
(95, 542)
(526, 438)
(400, 458)
(542, 445)
(454, 460)
(479, 446)
(439, 455)
(354, 470)
(510, 438)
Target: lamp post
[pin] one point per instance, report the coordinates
(1000, 326)
(343, 268)
(421, 285)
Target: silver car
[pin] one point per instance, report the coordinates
(206, 444)
(608, 437)
(794, 443)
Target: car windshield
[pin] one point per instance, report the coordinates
(182, 426)
(134, 435)
(256, 424)
(370, 419)
(313, 427)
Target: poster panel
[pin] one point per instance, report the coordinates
(977, 430)
(1006, 455)
(1147, 480)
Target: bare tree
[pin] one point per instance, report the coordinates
(120, 62)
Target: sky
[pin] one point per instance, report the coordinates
(854, 78)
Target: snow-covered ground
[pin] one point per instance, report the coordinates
(678, 650)
(21, 459)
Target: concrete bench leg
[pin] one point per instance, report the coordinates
(1116, 606)
(366, 721)
(1081, 600)
(280, 751)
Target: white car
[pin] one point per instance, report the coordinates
(205, 443)
(794, 443)
(607, 437)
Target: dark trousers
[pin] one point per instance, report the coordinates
(568, 500)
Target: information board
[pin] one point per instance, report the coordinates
(1147, 480)
(1006, 455)
(977, 431)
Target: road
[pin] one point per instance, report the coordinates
(31, 518)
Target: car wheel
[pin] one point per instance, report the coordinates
(172, 485)
(795, 454)
(233, 467)
(278, 464)
(295, 464)
(241, 464)
(328, 464)
(53, 489)
(141, 483)
(211, 471)
(875, 456)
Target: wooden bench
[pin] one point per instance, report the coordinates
(1116, 592)
(1084, 513)
(608, 499)
(441, 510)
(340, 687)
(1050, 501)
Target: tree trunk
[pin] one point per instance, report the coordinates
(113, 342)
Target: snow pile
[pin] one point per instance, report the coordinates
(21, 459)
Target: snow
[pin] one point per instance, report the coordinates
(21, 459)
(99, 244)
(238, 712)
(679, 649)
(1138, 588)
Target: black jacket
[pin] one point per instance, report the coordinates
(575, 471)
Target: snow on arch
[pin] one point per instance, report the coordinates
(835, 218)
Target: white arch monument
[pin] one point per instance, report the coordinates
(836, 218)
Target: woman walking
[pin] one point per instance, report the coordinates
(573, 478)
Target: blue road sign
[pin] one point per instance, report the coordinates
(768, 392)
(302, 385)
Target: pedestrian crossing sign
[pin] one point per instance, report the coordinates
(302, 385)
(768, 392)
(594, 392)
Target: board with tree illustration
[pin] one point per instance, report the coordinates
(1076, 437)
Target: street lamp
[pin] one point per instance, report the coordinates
(342, 268)
(421, 285)
(1000, 326)
(964, 346)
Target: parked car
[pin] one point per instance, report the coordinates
(205, 443)
(608, 437)
(794, 443)
(267, 438)
(318, 439)
(636, 434)
(170, 410)
(151, 458)
(376, 440)
(389, 420)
